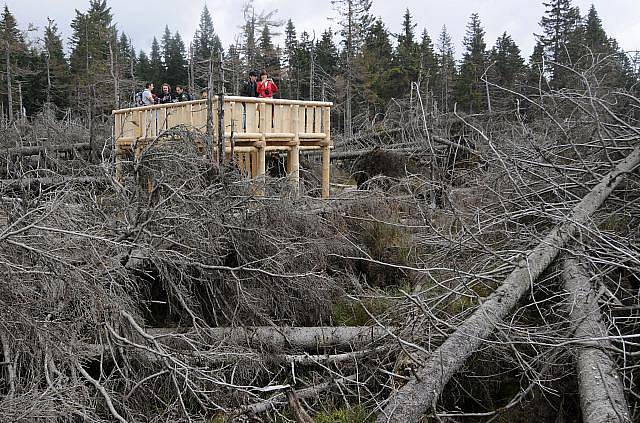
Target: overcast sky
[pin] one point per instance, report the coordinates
(144, 19)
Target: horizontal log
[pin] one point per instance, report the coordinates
(280, 399)
(38, 149)
(306, 338)
(48, 182)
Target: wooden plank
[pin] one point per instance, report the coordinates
(251, 123)
(238, 113)
(309, 119)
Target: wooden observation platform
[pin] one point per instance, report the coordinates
(252, 127)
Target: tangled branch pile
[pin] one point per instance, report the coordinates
(197, 301)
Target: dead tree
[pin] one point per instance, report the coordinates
(601, 391)
(410, 402)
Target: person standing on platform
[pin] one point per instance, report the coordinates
(249, 89)
(266, 87)
(165, 95)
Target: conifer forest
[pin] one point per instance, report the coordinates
(474, 255)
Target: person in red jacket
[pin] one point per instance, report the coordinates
(266, 87)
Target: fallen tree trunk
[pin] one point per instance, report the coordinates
(48, 182)
(601, 391)
(38, 149)
(414, 399)
(281, 398)
(282, 338)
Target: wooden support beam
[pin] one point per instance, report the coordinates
(326, 170)
(326, 153)
(293, 168)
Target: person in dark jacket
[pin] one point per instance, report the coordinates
(165, 95)
(249, 89)
(181, 94)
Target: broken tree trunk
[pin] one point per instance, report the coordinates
(39, 183)
(282, 338)
(281, 398)
(601, 391)
(39, 149)
(415, 398)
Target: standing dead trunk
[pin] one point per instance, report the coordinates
(9, 88)
(415, 398)
(113, 69)
(21, 113)
(601, 391)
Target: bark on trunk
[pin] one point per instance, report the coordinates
(601, 391)
(283, 338)
(38, 149)
(415, 398)
(281, 398)
(48, 182)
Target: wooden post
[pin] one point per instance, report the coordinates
(293, 156)
(137, 131)
(326, 165)
(326, 151)
(261, 159)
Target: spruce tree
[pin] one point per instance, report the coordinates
(175, 61)
(206, 42)
(326, 65)
(407, 54)
(127, 57)
(143, 67)
(268, 57)
(303, 66)
(233, 62)
(507, 71)
(13, 55)
(156, 67)
(56, 70)
(595, 38)
(249, 36)
(428, 62)
(166, 44)
(206, 45)
(290, 83)
(446, 71)
(470, 90)
(559, 25)
(354, 22)
(93, 41)
(377, 76)
(327, 53)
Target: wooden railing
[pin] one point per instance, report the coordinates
(246, 114)
(256, 126)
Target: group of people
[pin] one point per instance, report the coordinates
(148, 97)
(262, 88)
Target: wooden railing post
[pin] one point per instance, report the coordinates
(293, 156)
(261, 153)
(326, 152)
